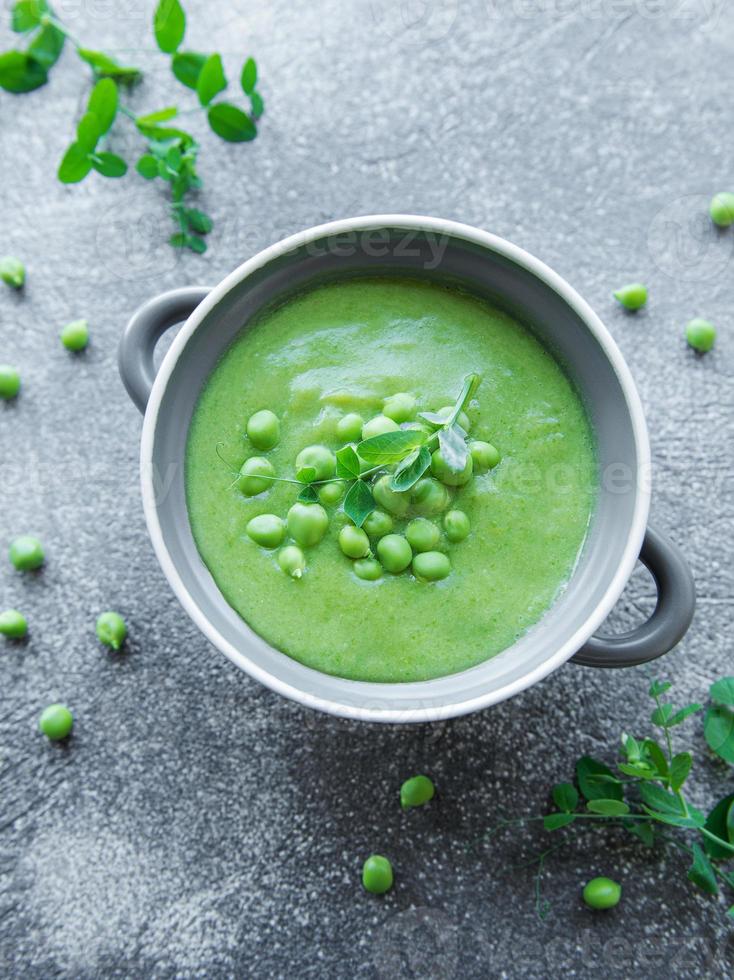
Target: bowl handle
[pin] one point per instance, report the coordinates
(146, 326)
(668, 623)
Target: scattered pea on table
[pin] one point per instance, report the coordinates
(12, 271)
(75, 335)
(602, 893)
(632, 296)
(9, 381)
(377, 876)
(56, 722)
(721, 209)
(701, 335)
(26, 553)
(111, 629)
(416, 791)
(13, 624)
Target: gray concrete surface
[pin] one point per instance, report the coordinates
(197, 825)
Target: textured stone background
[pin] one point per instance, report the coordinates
(197, 825)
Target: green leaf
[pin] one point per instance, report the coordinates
(75, 165)
(644, 831)
(198, 220)
(679, 769)
(662, 715)
(103, 103)
(554, 821)
(186, 66)
(27, 14)
(659, 687)
(106, 67)
(701, 873)
(359, 502)
(347, 463)
(169, 25)
(307, 474)
(695, 819)
(20, 73)
(593, 789)
(178, 240)
(147, 166)
(161, 115)
(680, 716)
(659, 799)
(720, 822)
(88, 131)
(248, 78)
(211, 79)
(632, 748)
(231, 123)
(608, 808)
(109, 164)
(723, 691)
(638, 770)
(47, 45)
(257, 105)
(196, 244)
(390, 447)
(165, 134)
(565, 797)
(411, 469)
(453, 448)
(730, 913)
(654, 754)
(719, 731)
(308, 496)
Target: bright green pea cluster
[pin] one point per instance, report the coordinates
(75, 335)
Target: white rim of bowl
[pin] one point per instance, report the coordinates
(543, 272)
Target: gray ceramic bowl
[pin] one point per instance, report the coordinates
(444, 252)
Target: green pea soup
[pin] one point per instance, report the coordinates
(343, 348)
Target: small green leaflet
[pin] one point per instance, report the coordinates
(359, 502)
(248, 78)
(452, 442)
(679, 769)
(433, 418)
(106, 67)
(662, 715)
(643, 831)
(27, 14)
(20, 73)
(169, 25)
(657, 798)
(88, 131)
(720, 822)
(723, 691)
(565, 797)
(161, 115)
(719, 731)
(46, 46)
(701, 873)
(103, 103)
(638, 770)
(347, 464)
(211, 80)
(390, 447)
(307, 474)
(147, 166)
(411, 469)
(655, 755)
(554, 821)
(75, 164)
(308, 495)
(186, 66)
(594, 789)
(659, 687)
(231, 123)
(608, 808)
(109, 164)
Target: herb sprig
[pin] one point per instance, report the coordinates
(649, 802)
(170, 152)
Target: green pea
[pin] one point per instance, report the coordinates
(331, 493)
(111, 629)
(368, 569)
(252, 476)
(307, 523)
(56, 722)
(75, 335)
(349, 427)
(377, 524)
(416, 791)
(633, 296)
(12, 271)
(320, 458)
(701, 335)
(267, 530)
(377, 876)
(429, 497)
(456, 525)
(263, 429)
(484, 455)
(462, 418)
(721, 209)
(13, 624)
(9, 381)
(389, 499)
(602, 893)
(394, 552)
(422, 535)
(378, 426)
(431, 566)
(292, 560)
(400, 407)
(354, 542)
(26, 553)
(441, 470)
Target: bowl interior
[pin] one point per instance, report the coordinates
(491, 269)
